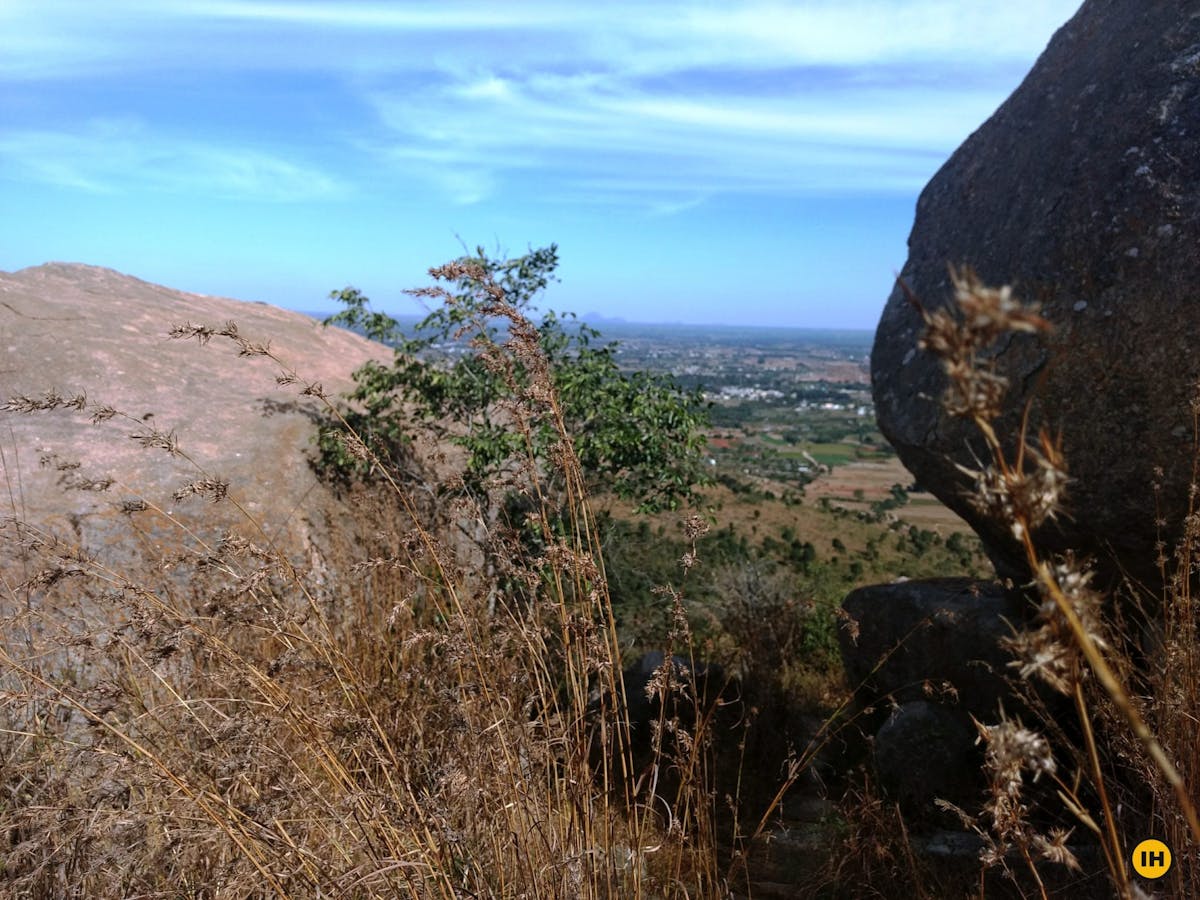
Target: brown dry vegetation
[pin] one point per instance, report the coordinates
(212, 715)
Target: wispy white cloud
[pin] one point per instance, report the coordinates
(378, 15)
(666, 208)
(763, 31)
(856, 32)
(636, 37)
(618, 137)
(677, 99)
(110, 156)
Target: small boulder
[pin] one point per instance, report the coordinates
(926, 752)
(695, 689)
(932, 639)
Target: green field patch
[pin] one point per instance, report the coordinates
(873, 451)
(832, 454)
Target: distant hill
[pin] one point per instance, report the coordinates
(75, 328)
(599, 319)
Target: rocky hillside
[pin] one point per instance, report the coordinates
(77, 329)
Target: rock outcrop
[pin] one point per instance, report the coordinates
(79, 329)
(926, 656)
(1082, 191)
(916, 640)
(926, 752)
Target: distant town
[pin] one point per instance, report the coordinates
(787, 403)
(789, 406)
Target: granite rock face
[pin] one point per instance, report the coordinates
(1083, 192)
(79, 329)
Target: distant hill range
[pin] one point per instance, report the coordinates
(78, 329)
(599, 319)
(621, 329)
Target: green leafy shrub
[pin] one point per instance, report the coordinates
(635, 434)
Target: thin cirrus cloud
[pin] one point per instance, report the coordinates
(46, 36)
(619, 137)
(640, 36)
(107, 157)
(667, 101)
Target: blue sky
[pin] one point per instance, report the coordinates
(743, 162)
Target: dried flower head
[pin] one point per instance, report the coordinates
(1013, 749)
(1049, 651)
(1024, 494)
(694, 527)
(48, 401)
(959, 335)
(214, 490)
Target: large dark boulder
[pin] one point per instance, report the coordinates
(925, 659)
(1082, 191)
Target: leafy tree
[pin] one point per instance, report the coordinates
(635, 433)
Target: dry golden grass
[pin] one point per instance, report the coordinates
(446, 718)
(242, 725)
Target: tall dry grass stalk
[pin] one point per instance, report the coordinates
(223, 721)
(1136, 748)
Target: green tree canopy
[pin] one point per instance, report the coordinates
(470, 372)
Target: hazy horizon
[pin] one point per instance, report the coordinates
(612, 326)
(751, 163)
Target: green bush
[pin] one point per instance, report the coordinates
(634, 433)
